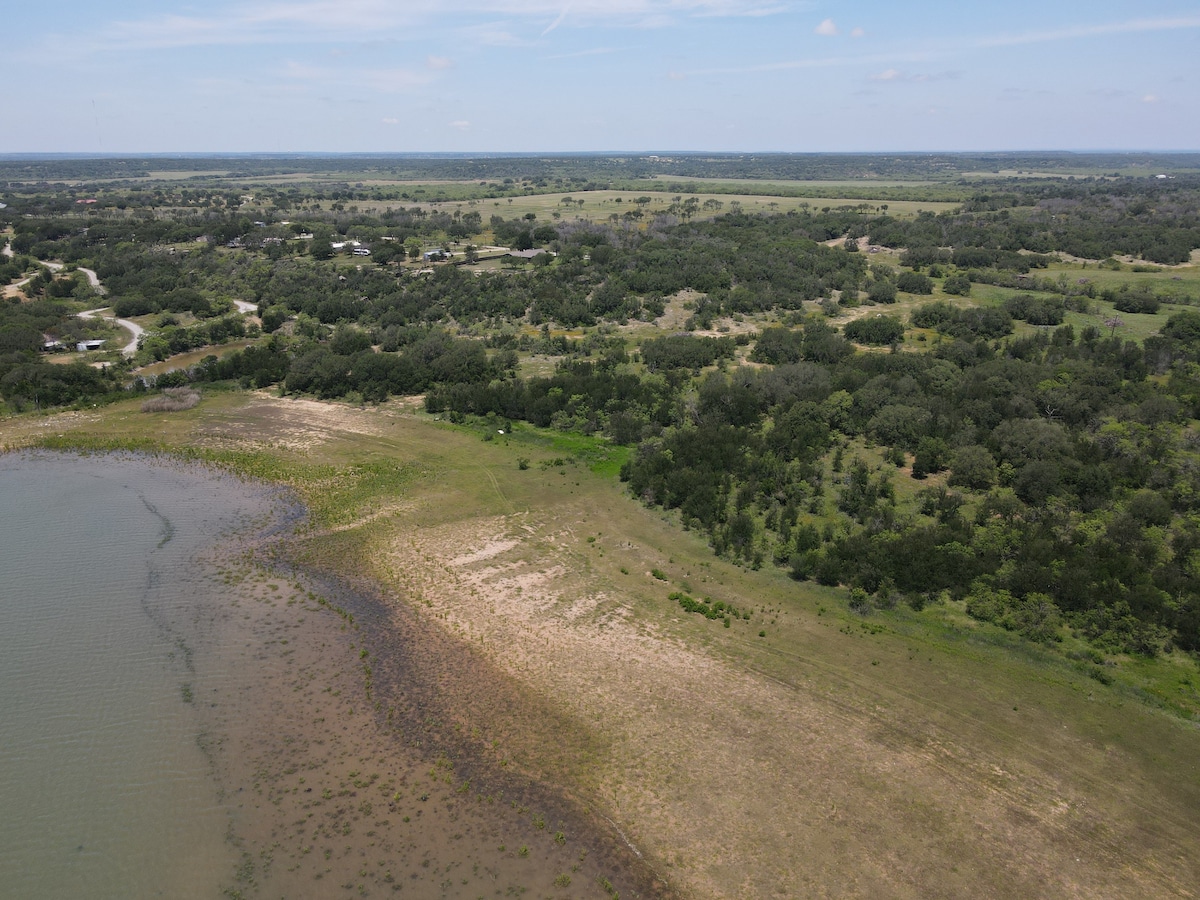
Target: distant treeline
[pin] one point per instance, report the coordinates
(788, 166)
(1158, 221)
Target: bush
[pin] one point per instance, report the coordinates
(882, 291)
(875, 330)
(932, 315)
(915, 283)
(973, 467)
(959, 285)
(1036, 310)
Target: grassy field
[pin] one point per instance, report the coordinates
(600, 205)
(801, 751)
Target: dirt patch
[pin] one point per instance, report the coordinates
(294, 423)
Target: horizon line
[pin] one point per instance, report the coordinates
(512, 154)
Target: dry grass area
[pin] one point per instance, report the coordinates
(173, 400)
(831, 757)
(738, 783)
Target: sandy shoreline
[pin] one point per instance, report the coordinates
(328, 716)
(334, 776)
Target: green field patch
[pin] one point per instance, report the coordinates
(334, 495)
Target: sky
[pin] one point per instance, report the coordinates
(403, 76)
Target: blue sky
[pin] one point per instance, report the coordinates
(576, 75)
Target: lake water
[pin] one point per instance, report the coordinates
(105, 790)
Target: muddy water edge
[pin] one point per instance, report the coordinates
(332, 719)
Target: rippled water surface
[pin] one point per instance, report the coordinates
(104, 787)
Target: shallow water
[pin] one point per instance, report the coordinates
(105, 790)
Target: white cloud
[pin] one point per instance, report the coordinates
(562, 16)
(388, 120)
(226, 23)
(1150, 98)
(857, 33)
(1076, 32)
(305, 72)
(595, 51)
(393, 81)
(460, 124)
(827, 28)
(895, 75)
(439, 62)
(821, 62)
(494, 34)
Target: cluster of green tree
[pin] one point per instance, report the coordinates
(168, 340)
(13, 268)
(685, 351)
(22, 325)
(602, 396)
(1159, 221)
(969, 323)
(969, 257)
(522, 234)
(745, 264)
(1036, 310)
(27, 382)
(26, 379)
(877, 329)
(1071, 493)
(347, 364)
(108, 236)
(259, 365)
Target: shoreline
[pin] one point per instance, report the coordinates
(270, 665)
(416, 669)
(411, 660)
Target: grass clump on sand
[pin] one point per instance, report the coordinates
(175, 399)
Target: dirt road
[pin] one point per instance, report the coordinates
(134, 329)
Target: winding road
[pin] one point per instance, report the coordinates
(134, 328)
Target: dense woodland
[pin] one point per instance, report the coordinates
(1048, 475)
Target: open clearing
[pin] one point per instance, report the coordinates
(600, 205)
(832, 756)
